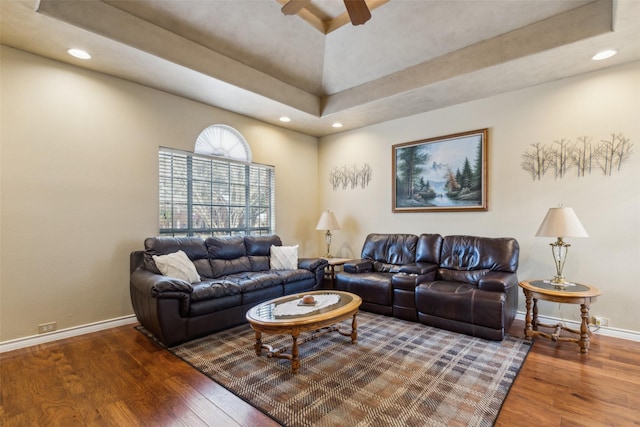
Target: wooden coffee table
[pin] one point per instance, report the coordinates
(263, 318)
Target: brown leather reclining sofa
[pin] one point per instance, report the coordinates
(464, 284)
(235, 275)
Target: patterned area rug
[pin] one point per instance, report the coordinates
(398, 374)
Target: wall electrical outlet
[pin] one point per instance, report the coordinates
(601, 321)
(47, 327)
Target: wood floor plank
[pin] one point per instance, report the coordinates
(120, 377)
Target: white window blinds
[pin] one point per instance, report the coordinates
(203, 196)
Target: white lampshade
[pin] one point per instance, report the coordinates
(561, 222)
(328, 221)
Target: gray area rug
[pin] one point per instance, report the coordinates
(399, 373)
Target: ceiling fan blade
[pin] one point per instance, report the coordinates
(358, 11)
(294, 6)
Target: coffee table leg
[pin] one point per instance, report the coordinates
(258, 344)
(354, 329)
(584, 329)
(295, 359)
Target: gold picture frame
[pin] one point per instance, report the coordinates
(443, 174)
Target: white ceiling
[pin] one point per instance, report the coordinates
(411, 56)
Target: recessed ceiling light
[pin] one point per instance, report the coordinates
(336, 125)
(285, 119)
(78, 53)
(604, 55)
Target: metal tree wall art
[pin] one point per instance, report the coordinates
(350, 176)
(580, 157)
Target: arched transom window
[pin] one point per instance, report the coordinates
(223, 141)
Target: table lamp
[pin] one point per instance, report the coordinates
(560, 222)
(328, 222)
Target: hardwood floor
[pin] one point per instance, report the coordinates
(558, 386)
(120, 378)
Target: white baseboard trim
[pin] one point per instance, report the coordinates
(624, 334)
(66, 333)
(131, 319)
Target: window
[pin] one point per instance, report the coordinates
(223, 141)
(202, 195)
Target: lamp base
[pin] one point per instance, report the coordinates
(559, 249)
(559, 282)
(328, 240)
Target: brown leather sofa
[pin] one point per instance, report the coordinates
(235, 275)
(465, 284)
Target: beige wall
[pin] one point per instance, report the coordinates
(596, 105)
(79, 186)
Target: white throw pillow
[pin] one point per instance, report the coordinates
(284, 257)
(177, 265)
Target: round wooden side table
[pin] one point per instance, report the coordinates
(330, 274)
(574, 293)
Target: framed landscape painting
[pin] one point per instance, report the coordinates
(443, 174)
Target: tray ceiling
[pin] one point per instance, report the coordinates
(248, 57)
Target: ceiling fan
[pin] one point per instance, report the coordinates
(357, 9)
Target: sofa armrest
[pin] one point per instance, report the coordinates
(358, 266)
(497, 281)
(312, 264)
(159, 286)
(419, 268)
(409, 281)
(316, 266)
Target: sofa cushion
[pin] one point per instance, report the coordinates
(394, 249)
(228, 255)
(214, 289)
(225, 247)
(194, 247)
(475, 253)
(177, 265)
(289, 276)
(428, 248)
(260, 263)
(461, 302)
(224, 267)
(261, 245)
(473, 276)
(372, 287)
(259, 250)
(284, 257)
(251, 281)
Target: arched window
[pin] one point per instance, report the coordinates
(216, 190)
(223, 141)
